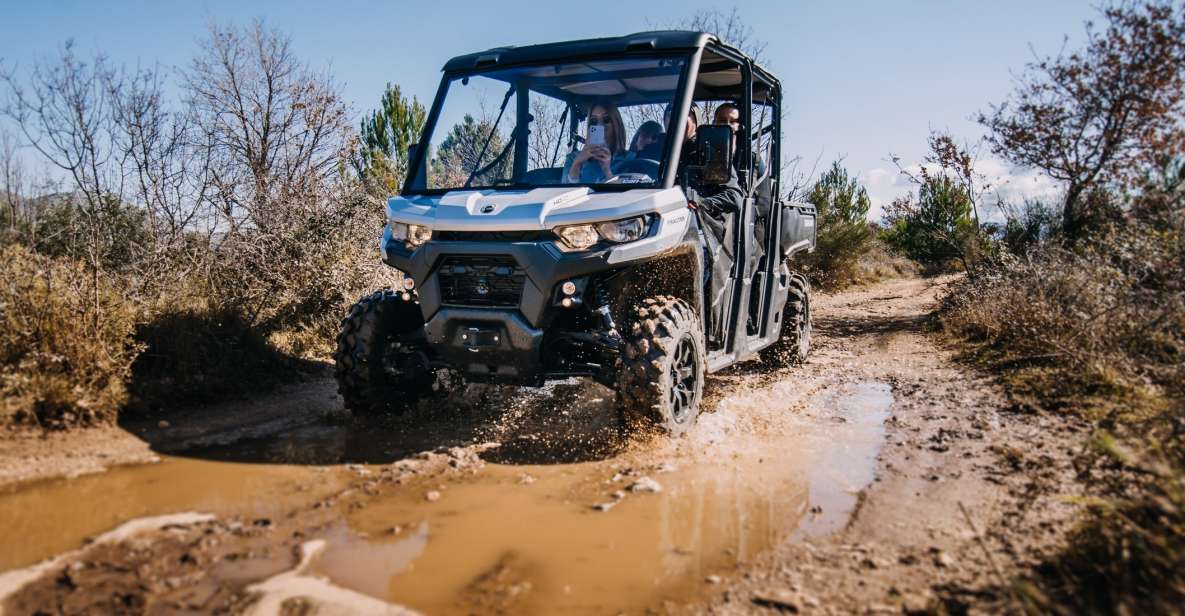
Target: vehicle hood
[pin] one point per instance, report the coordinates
(523, 210)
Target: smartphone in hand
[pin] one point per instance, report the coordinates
(596, 135)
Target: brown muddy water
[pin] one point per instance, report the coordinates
(625, 529)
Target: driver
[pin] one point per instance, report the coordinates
(593, 164)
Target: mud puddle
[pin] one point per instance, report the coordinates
(622, 533)
(48, 517)
(538, 529)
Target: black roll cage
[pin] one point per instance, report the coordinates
(688, 46)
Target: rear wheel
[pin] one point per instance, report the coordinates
(795, 344)
(661, 379)
(380, 361)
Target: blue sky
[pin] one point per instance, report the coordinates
(863, 79)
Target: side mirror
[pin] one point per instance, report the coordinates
(715, 149)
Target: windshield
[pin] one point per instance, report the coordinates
(595, 122)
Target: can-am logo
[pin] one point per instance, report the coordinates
(487, 209)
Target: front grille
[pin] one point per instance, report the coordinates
(493, 236)
(486, 281)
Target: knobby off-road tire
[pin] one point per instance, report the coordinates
(377, 370)
(795, 342)
(661, 378)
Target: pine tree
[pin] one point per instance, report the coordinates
(385, 136)
(841, 205)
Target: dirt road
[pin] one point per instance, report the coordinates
(879, 476)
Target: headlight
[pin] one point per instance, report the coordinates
(411, 235)
(577, 237)
(583, 237)
(620, 231)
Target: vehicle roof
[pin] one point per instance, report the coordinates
(658, 40)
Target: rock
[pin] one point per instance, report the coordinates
(872, 562)
(916, 604)
(618, 495)
(645, 484)
(944, 560)
(603, 506)
(713, 579)
(432, 496)
(526, 479)
(779, 599)
(162, 424)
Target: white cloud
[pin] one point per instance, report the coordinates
(1007, 183)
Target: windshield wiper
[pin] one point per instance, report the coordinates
(493, 130)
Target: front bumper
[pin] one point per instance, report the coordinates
(503, 342)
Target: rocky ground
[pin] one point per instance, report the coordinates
(881, 476)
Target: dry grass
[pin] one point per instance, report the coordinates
(880, 263)
(67, 342)
(1100, 332)
(868, 263)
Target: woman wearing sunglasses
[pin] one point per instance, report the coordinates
(604, 144)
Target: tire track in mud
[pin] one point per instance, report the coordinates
(486, 505)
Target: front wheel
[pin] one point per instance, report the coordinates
(661, 378)
(380, 361)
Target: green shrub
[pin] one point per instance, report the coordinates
(66, 340)
(937, 229)
(844, 235)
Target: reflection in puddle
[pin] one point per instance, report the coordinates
(539, 547)
(497, 543)
(368, 564)
(845, 462)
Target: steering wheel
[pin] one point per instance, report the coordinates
(637, 165)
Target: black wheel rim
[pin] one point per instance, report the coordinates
(685, 379)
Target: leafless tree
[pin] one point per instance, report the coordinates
(12, 174)
(549, 132)
(169, 174)
(64, 113)
(275, 137)
(275, 127)
(730, 27)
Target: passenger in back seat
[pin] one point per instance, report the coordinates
(648, 133)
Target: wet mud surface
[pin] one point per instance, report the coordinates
(536, 501)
